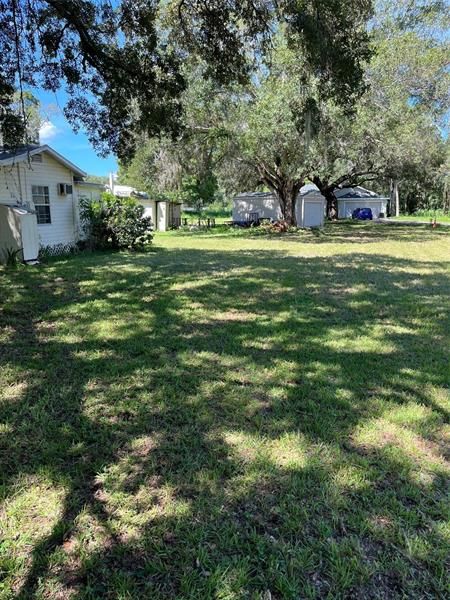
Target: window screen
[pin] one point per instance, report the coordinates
(41, 200)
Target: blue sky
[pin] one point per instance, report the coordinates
(57, 133)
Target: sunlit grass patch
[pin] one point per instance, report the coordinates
(288, 452)
(12, 391)
(27, 518)
(401, 444)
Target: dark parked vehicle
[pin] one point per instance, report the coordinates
(363, 214)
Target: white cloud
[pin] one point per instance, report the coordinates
(47, 132)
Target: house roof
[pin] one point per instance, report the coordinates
(11, 157)
(309, 188)
(127, 191)
(357, 192)
(91, 184)
(254, 195)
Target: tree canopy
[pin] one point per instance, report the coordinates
(280, 130)
(192, 94)
(122, 63)
(405, 111)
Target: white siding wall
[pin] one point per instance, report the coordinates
(63, 209)
(91, 192)
(88, 192)
(11, 184)
(149, 209)
(16, 183)
(347, 206)
(267, 207)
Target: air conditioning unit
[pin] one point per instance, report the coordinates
(64, 189)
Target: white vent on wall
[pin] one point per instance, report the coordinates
(36, 158)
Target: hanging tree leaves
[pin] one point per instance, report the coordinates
(121, 64)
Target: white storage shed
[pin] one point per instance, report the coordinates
(164, 214)
(310, 207)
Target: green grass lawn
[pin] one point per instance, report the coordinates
(425, 219)
(231, 416)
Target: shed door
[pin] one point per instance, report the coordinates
(313, 214)
(149, 207)
(30, 236)
(162, 207)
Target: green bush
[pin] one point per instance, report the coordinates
(116, 223)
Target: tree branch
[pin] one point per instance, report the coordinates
(351, 179)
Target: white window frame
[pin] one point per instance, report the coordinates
(41, 198)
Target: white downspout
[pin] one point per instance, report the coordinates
(19, 180)
(75, 213)
(111, 182)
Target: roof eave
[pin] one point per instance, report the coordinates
(362, 198)
(45, 148)
(63, 160)
(91, 183)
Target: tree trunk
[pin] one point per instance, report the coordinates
(446, 198)
(327, 191)
(287, 196)
(285, 189)
(332, 208)
(395, 199)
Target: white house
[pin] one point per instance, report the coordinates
(351, 198)
(310, 207)
(40, 192)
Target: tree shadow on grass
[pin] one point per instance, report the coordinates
(220, 423)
